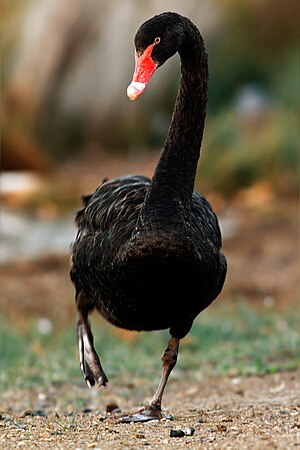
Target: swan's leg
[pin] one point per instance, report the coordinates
(153, 411)
(89, 360)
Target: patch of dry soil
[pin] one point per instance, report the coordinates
(225, 413)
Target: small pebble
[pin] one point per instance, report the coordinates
(177, 433)
(140, 435)
(188, 431)
(42, 397)
(87, 410)
(250, 413)
(240, 392)
(100, 417)
(112, 408)
(19, 426)
(44, 326)
(34, 413)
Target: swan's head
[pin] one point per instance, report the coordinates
(156, 41)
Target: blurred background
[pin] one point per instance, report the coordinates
(67, 124)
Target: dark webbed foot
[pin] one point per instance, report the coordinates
(146, 414)
(153, 410)
(89, 360)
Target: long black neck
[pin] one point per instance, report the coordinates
(174, 176)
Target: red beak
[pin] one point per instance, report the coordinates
(144, 69)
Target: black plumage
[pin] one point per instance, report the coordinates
(147, 254)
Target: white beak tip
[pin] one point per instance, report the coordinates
(135, 89)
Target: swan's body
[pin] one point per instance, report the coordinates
(147, 254)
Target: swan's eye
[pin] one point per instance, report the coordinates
(157, 40)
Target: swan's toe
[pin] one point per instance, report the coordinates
(145, 415)
(97, 381)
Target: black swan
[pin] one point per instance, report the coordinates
(147, 253)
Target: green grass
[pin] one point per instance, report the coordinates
(228, 339)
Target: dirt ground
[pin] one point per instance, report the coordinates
(221, 413)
